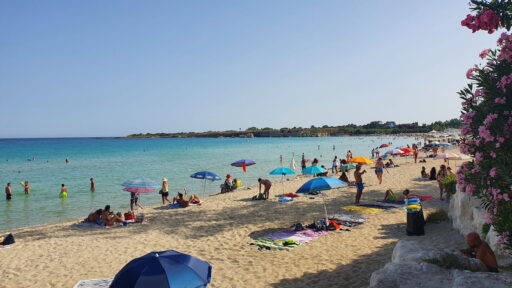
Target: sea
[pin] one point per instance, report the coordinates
(111, 161)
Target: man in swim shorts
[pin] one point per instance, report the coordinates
(8, 192)
(63, 191)
(359, 182)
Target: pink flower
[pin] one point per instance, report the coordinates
(493, 155)
(484, 53)
(479, 92)
(487, 21)
(493, 172)
(488, 120)
(485, 133)
(505, 197)
(501, 100)
(504, 81)
(470, 189)
(470, 72)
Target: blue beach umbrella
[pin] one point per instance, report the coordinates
(165, 269)
(313, 170)
(282, 171)
(205, 175)
(321, 184)
(444, 144)
(141, 182)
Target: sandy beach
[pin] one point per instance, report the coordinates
(220, 232)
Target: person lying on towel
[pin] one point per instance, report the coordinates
(390, 196)
(480, 250)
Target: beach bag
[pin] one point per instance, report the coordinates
(319, 225)
(9, 239)
(333, 225)
(129, 216)
(298, 227)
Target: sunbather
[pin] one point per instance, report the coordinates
(94, 217)
(194, 199)
(109, 218)
(180, 199)
(390, 196)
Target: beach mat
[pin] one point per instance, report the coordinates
(391, 202)
(362, 209)
(421, 197)
(348, 218)
(385, 207)
(303, 236)
(274, 244)
(94, 283)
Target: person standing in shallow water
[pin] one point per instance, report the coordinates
(63, 191)
(26, 188)
(165, 191)
(8, 192)
(93, 188)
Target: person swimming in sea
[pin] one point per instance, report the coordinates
(63, 191)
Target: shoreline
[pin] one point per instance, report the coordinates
(220, 231)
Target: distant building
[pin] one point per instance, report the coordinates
(390, 124)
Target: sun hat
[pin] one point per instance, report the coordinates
(164, 179)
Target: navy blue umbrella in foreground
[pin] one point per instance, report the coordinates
(321, 184)
(165, 269)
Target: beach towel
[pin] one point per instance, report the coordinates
(362, 209)
(421, 197)
(275, 244)
(285, 199)
(385, 207)
(348, 218)
(293, 195)
(303, 236)
(174, 206)
(391, 202)
(94, 283)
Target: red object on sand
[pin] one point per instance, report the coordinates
(293, 195)
(421, 197)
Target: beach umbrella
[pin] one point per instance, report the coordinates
(141, 182)
(394, 151)
(205, 175)
(444, 144)
(313, 170)
(407, 150)
(348, 166)
(283, 171)
(384, 145)
(140, 185)
(361, 160)
(165, 269)
(243, 163)
(321, 184)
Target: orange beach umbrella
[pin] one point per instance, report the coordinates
(361, 160)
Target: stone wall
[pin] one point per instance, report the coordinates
(467, 216)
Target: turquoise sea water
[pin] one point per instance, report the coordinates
(112, 161)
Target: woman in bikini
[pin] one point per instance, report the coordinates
(379, 169)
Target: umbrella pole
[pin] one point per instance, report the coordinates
(204, 188)
(326, 217)
(282, 180)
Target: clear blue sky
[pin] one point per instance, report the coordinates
(112, 68)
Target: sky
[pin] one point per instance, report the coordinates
(113, 68)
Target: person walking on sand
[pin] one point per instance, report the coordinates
(358, 175)
(26, 188)
(8, 192)
(93, 188)
(267, 184)
(63, 191)
(379, 169)
(303, 162)
(415, 154)
(335, 163)
(165, 191)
